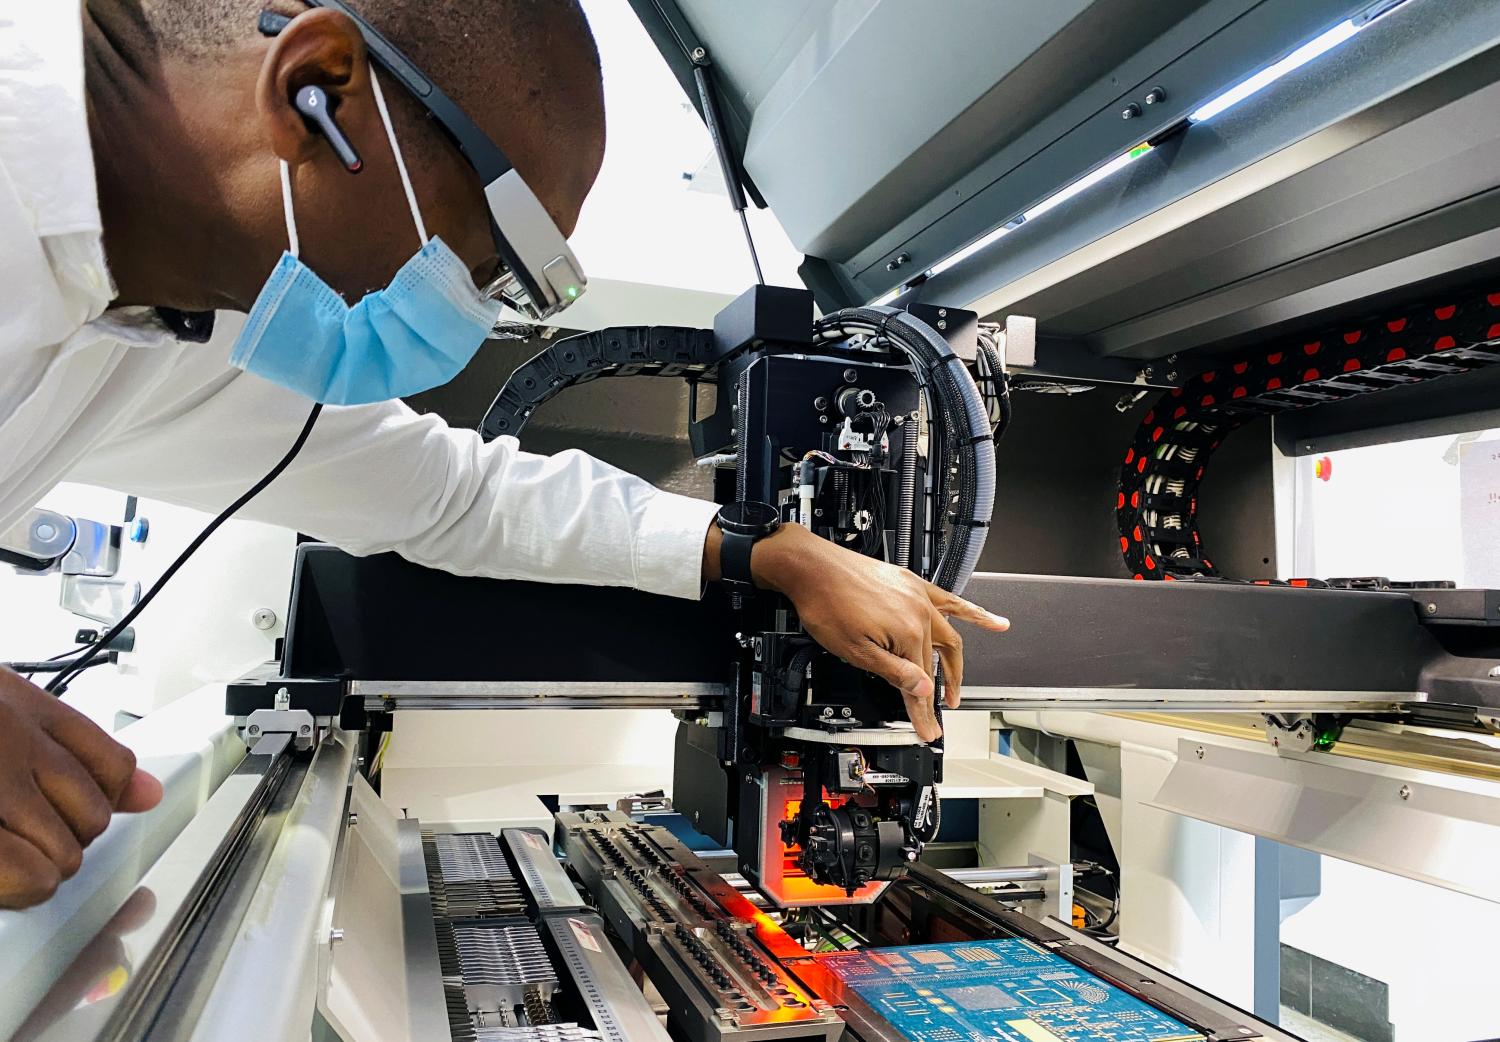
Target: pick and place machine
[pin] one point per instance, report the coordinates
(791, 892)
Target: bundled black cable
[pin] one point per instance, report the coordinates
(959, 430)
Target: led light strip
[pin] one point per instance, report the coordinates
(1246, 88)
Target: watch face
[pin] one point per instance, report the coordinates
(749, 518)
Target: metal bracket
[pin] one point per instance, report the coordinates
(1289, 733)
(300, 724)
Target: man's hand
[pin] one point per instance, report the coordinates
(874, 615)
(61, 778)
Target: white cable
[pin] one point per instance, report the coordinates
(293, 247)
(390, 132)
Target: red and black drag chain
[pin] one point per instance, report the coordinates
(1156, 501)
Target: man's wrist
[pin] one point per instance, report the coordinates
(773, 561)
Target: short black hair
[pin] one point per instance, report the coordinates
(547, 42)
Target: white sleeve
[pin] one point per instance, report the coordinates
(380, 477)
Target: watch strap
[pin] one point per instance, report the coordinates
(734, 557)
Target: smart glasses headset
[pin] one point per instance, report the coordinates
(539, 274)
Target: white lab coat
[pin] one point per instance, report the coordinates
(109, 397)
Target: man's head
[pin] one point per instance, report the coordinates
(526, 71)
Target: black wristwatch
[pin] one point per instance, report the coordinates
(743, 524)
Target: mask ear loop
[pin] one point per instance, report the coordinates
(293, 246)
(390, 132)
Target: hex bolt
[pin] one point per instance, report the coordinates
(1156, 96)
(1405, 792)
(1130, 111)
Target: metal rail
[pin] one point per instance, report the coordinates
(552, 694)
(173, 896)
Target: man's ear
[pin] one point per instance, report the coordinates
(320, 47)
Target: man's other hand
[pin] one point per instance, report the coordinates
(874, 615)
(61, 778)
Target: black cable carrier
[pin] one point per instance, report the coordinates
(617, 351)
(1156, 501)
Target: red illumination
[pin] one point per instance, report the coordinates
(1354, 337)
(1208, 378)
(1444, 342)
(1240, 368)
(1313, 348)
(1273, 384)
(1208, 400)
(1274, 358)
(1444, 314)
(1239, 392)
(1311, 374)
(1396, 325)
(1395, 354)
(1351, 365)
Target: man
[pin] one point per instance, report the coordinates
(146, 149)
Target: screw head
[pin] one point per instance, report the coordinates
(1156, 96)
(1130, 111)
(263, 618)
(335, 935)
(820, 403)
(699, 54)
(850, 375)
(1405, 793)
(305, 729)
(1198, 752)
(942, 323)
(1495, 671)
(898, 262)
(1431, 608)
(254, 729)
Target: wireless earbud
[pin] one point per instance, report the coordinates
(312, 102)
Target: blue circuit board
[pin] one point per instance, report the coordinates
(998, 991)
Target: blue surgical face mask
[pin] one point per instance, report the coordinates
(417, 333)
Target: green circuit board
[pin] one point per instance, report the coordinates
(998, 991)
